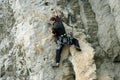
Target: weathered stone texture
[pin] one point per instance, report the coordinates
(107, 17)
(27, 48)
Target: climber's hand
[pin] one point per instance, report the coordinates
(51, 31)
(55, 12)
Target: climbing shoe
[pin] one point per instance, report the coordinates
(78, 49)
(55, 65)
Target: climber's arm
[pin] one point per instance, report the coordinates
(57, 18)
(55, 13)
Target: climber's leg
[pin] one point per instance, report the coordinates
(76, 43)
(58, 55)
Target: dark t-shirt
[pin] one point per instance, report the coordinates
(58, 27)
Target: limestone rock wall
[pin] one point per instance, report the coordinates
(27, 48)
(107, 54)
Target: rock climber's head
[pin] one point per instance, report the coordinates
(52, 20)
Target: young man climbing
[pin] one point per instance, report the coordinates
(58, 30)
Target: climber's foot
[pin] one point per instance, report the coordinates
(55, 65)
(77, 48)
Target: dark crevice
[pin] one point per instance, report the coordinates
(117, 59)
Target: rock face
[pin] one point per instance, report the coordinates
(107, 54)
(27, 49)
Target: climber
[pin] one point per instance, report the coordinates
(58, 30)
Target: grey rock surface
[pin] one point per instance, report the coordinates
(27, 49)
(107, 53)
